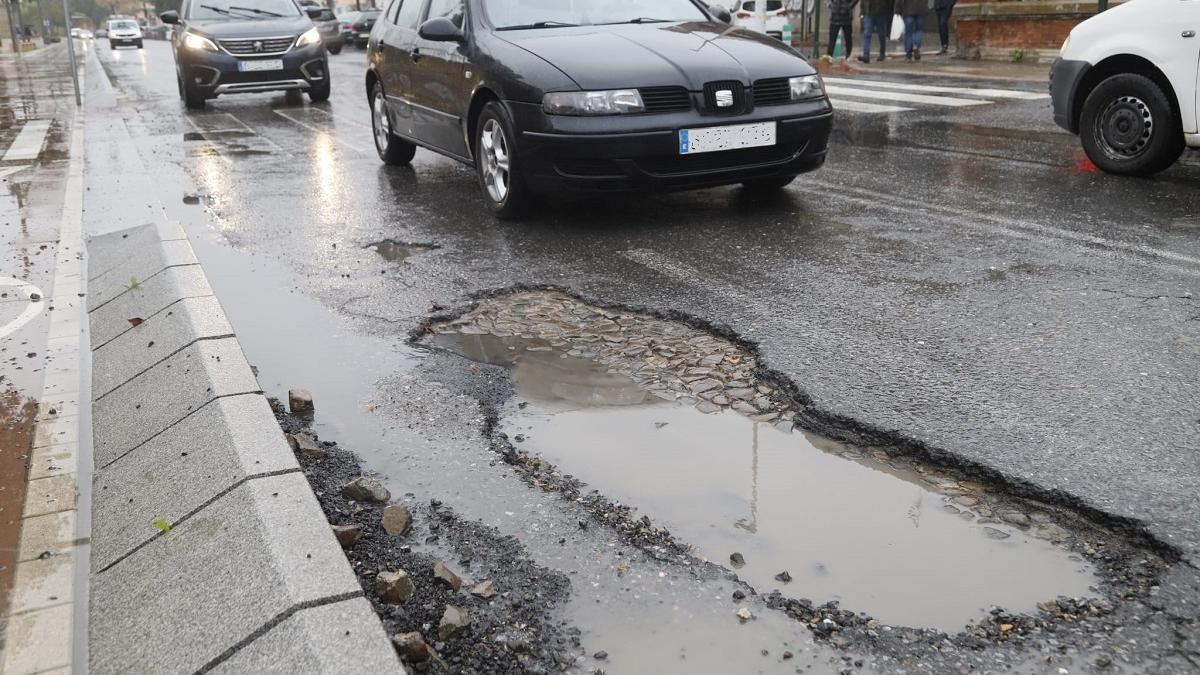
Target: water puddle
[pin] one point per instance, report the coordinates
(398, 251)
(670, 419)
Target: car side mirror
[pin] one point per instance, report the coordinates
(169, 16)
(314, 13)
(440, 29)
(721, 14)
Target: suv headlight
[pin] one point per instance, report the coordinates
(615, 102)
(193, 41)
(309, 37)
(806, 87)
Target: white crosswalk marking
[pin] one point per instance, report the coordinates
(28, 144)
(932, 89)
(945, 101)
(859, 106)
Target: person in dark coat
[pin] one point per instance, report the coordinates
(840, 19)
(914, 12)
(944, 8)
(877, 14)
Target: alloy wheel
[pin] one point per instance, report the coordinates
(380, 123)
(495, 160)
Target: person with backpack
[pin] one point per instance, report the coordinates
(913, 12)
(877, 14)
(840, 20)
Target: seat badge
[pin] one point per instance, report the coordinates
(724, 98)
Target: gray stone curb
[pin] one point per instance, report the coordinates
(209, 550)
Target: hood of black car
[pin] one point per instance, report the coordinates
(651, 55)
(228, 30)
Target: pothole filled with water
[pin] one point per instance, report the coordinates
(675, 421)
(398, 251)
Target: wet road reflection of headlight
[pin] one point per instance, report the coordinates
(326, 176)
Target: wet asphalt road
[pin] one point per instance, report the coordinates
(952, 276)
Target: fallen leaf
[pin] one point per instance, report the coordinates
(136, 321)
(162, 524)
(435, 306)
(474, 370)
(1005, 627)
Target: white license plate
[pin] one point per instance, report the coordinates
(732, 137)
(255, 66)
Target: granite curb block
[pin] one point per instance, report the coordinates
(209, 550)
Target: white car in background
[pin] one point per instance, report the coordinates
(745, 15)
(1126, 82)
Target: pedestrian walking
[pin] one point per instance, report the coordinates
(877, 15)
(914, 12)
(944, 9)
(840, 20)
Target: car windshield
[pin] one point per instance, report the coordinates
(368, 16)
(521, 14)
(772, 5)
(242, 9)
(122, 25)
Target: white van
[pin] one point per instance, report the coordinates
(124, 32)
(1126, 83)
(745, 15)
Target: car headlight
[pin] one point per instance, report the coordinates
(613, 102)
(806, 87)
(309, 37)
(193, 41)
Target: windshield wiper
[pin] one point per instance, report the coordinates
(640, 19)
(539, 24)
(219, 10)
(254, 10)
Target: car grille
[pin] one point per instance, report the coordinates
(712, 161)
(258, 46)
(737, 89)
(772, 92)
(665, 99)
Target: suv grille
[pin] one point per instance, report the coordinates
(772, 92)
(258, 46)
(665, 99)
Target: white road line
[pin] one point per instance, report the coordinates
(905, 98)
(31, 310)
(859, 106)
(931, 89)
(28, 144)
(211, 146)
(318, 130)
(347, 120)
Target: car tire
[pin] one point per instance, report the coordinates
(335, 50)
(191, 99)
(763, 185)
(1129, 127)
(499, 173)
(319, 92)
(392, 149)
(139, 44)
(112, 46)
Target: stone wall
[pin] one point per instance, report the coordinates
(1031, 30)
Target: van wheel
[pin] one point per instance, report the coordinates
(1129, 127)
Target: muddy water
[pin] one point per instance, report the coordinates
(845, 526)
(395, 251)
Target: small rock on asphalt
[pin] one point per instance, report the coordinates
(306, 446)
(739, 595)
(444, 575)
(453, 622)
(744, 614)
(347, 535)
(363, 489)
(484, 590)
(600, 655)
(784, 577)
(394, 587)
(300, 402)
(411, 646)
(396, 520)
(737, 560)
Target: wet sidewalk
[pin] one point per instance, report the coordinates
(41, 301)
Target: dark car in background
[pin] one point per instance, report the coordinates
(592, 95)
(327, 24)
(360, 27)
(240, 46)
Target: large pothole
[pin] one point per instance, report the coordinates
(676, 421)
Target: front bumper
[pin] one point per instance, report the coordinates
(210, 74)
(641, 152)
(133, 40)
(1065, 76)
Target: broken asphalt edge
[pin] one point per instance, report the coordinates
(845, 429)
(209, 549)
